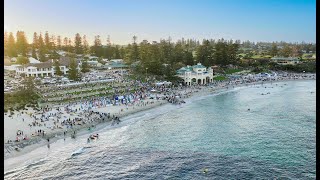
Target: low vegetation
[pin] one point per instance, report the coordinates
(26, 95)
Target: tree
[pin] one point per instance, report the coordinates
(22, 60)
(205, 54)
(232, 52)
(178, 53)
(73, 71)
(12, 51)
(34, 54)
(78, 44)
(52, 43)
(188, 58)
(97, 47)
(134, 56)
(274, 50)
(42, 49)
(296, 51)
(59, 43)
(65, 44)
(126, 54)
(108, 52)
(86, 48)
(70, 45)
(26, 93)
(122, 52)
(286, 51)
(5, 43)
(22, 43)
(85, 66)
(35, 44)
(47, 42)
(57, 68)
(166, 55)
(116, 53)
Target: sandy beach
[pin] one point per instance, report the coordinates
(52, 129)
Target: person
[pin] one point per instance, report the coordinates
(249, 109)
(205, 171)
(88, 140)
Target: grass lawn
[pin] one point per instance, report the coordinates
(260, 56)
(305, 56)
(219, 78)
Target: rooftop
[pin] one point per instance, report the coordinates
(285, 58)
(199, 65)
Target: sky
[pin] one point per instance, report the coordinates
(152, 20)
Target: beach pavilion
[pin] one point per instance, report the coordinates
(197, 74)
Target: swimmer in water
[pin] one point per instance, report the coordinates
(205, 171)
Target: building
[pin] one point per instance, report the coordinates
(285, 61)
(117, 60)
(198, 74)
(43, 69)
(93, 63)
(116, 65)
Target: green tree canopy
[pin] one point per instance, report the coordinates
(57, 68)
(22, 44)
(22, 60)
(73, 71)
(85, 66)
(78, 48)
(274, 50)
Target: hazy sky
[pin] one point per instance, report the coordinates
(254, 20)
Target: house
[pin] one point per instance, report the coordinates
(285, 61)
(61, 53)
(196, 74)
(92, 58)
(116, 65)
(93, 63)
(116, 60)
(43, 69)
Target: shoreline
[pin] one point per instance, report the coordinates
(35, 143)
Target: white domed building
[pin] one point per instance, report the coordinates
(197, 74)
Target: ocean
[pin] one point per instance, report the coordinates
(236, 134)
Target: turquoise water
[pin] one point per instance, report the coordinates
(275, 139)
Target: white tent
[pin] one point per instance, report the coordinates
(159, 83)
